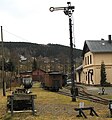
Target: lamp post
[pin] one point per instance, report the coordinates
(69, 11)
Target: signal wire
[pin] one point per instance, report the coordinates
(15, 35)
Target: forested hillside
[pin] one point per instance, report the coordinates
(35, 50)
(22, 56)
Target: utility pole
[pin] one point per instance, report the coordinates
(68, 11)
(3, 80)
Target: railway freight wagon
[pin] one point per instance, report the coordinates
(53, 81)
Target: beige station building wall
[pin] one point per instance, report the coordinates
(90, 73)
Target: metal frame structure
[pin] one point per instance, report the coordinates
(69, 11)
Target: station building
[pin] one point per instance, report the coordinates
(94, 53)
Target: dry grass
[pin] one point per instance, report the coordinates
(53, 106)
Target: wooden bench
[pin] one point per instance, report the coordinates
(81, 111)
(21, 101)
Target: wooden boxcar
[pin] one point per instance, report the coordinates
(52, 81)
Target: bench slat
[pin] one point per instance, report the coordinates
(85, 108)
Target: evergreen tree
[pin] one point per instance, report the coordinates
(103, 75)
(34, 65)
(10, 66)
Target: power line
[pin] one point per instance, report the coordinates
(15, 35)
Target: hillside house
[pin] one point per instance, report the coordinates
(24, 73)
(94, 53)
(38, 75)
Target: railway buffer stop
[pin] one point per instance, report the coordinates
(21, 99)
(20, 102)
(81, 110)
(110, 107)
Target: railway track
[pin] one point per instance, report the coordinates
(85, 96)
(93, 98)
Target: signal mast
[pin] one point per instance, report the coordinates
(69, 11)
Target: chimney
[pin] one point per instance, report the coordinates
(109, 38)
(102, 41)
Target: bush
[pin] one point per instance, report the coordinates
(107, 84)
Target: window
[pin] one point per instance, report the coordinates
(90, 59)
(85, 61)
(86, 76)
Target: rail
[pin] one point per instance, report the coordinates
(93, 98)
(85, 96)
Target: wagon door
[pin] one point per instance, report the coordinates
(56, 85)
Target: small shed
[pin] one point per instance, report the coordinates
(38, 75)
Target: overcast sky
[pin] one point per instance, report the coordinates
(31, 21)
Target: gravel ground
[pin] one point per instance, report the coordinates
(55, 110)
(68, 110)
(53, 106)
